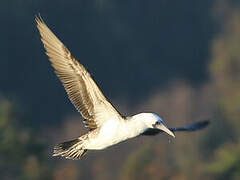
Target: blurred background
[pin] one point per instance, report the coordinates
(180, 59)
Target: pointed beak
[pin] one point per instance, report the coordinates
(165, 129)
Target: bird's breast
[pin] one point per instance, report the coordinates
(112, 132)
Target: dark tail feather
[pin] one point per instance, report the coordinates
(70, 149)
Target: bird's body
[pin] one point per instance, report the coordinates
(115, 131)
(108, 135)
(106, 126)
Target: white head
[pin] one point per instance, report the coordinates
(152, 120)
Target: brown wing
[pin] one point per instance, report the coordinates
(80, 87)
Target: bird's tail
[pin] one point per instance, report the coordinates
(70, 149)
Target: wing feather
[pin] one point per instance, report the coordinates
(78, 83)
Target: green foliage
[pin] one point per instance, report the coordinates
(137, 162)
(21, 153)
(225, 69)
(226, 163)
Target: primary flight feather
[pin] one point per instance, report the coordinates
(106, 126)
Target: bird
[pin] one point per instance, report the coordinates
(106, 126)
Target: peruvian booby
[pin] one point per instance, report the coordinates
(106, 126)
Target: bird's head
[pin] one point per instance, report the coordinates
(154, 121)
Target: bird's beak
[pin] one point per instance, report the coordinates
(165, 129)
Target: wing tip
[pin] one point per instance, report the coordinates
(203, 124)
(38, 18)
(199, 125)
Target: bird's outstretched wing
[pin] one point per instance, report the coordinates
(78, 83)
(192, 127)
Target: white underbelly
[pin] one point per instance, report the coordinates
(102, 143)
(111, 133)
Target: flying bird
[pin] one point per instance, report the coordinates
(105, 124)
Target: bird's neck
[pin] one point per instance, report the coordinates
(134, 126)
